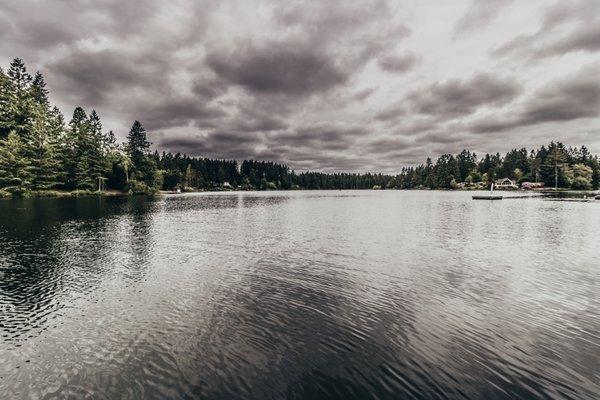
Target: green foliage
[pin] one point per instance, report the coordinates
(15, 168)
(550, 165)
(137, 187)
(142, 165)
(271, 186)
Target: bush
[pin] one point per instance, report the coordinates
(271, 186)
(581, 183)
(376, 187)
(4, 194)
(137, 187)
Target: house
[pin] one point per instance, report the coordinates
(505, 184)
(532, 185)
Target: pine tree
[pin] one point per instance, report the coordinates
(75, 154)
(83, 181)
(5, 105)
(95, 154)
(20, 100)
(15, 168)
(38, 89)
(39, 150)
(138, 147)
(57, 141)
(109, 142)
(137, 142)
(555, 163)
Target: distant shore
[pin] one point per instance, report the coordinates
(560, 192)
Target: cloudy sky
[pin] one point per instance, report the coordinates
(326, 85)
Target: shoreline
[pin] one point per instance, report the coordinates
(115, 193)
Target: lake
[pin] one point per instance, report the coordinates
(300, 295)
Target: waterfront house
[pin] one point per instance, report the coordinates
(505, 183)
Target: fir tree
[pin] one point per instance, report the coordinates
(15, 167)
(19, 94)
(94, 148)
(41, 153)
(137, 148)
(5, 104)
(76, 155)
(57, 141)
(38, 89)
(109, 142)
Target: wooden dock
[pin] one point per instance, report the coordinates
(487, 197)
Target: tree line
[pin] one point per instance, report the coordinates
(553, 165)
(43, 154)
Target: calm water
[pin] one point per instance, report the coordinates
(300, 295)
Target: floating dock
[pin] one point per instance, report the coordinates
(490, 196)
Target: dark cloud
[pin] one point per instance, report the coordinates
(88, 77)
(250, 120)
(574, 98)
(322, 136)
(281, 68)
(391, 113)
(398, 63)
(388, 144)
(456, 97)
(441, 137)
(174, 111)
(237, 145)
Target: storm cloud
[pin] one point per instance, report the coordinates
(572, 98)
(279, 68)
(341, 85)
(459, 97)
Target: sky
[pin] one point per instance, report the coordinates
(321, 85)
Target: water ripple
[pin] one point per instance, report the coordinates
(353, 295)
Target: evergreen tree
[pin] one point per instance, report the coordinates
(77, 165)
(38, 89)
(41, 153)
(5, 105)
(554, 164)
(109, 142)
(20, 99)
(15, 167)
(138, 147)
(96, 159)
(57, 141)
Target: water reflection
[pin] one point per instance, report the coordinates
(55, 250)
(347, 295)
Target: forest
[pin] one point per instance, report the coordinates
(41, 154)
(553, 165)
